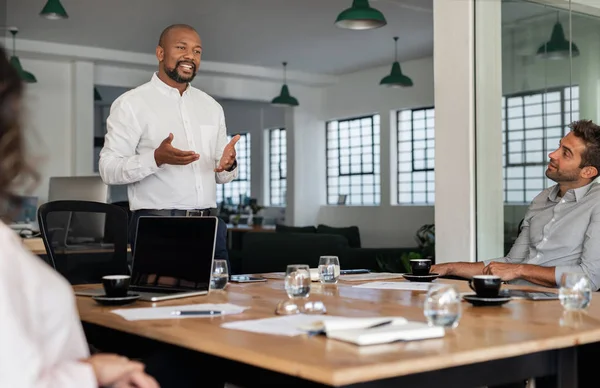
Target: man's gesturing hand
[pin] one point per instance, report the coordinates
(167, 154)
(228, 155)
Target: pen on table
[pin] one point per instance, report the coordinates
(197, 312)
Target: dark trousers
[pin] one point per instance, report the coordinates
(221, 251)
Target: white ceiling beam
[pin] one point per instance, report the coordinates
(59, 51)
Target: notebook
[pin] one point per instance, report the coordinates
(380, 330)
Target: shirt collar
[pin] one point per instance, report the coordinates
(166, 89)
(578, 193)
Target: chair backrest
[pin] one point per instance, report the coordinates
(84, 240)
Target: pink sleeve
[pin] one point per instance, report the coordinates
(69, 374)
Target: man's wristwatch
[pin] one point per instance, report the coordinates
(233, 166)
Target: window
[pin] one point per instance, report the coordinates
(240, 186)
(532, 124)
(277, 167)
(353, 160)
(416, 156)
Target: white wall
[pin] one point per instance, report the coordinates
(48, 121)
(357, 94)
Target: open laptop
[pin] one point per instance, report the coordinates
(173, 258)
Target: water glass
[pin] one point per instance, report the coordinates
(220, 275)
(329, 269)
(443, 306)
(297, 281)
(575, 292)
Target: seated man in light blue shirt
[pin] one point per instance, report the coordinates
(561, 230)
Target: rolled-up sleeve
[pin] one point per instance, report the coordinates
(223, 176)
(589, 264)
(119, 163)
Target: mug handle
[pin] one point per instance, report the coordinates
(471, 285)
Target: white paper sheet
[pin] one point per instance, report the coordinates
(411, 286)
(289, 325)
(147, 313)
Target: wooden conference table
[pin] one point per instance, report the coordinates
(491, 345)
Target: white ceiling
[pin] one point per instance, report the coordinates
(252, 32)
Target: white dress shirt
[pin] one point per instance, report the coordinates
(41, 338)
(139, 121)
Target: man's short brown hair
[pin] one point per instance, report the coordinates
(589, 132)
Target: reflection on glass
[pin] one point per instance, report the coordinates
(549, 64)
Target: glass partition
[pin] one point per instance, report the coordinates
(550, 77)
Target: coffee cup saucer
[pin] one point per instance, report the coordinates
(116, 300)
(420, 278)
(475, 300)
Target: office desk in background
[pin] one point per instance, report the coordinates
(237, 230)
(36, 246)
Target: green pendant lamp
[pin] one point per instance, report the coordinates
(558, 47)
(97, 96)
(54, 10)
(396, 79)
(16, 63)
(360, 17)
(284, 98)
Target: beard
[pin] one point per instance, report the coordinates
(175, 76)
(561, 176)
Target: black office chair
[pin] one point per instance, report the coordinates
(84, 240)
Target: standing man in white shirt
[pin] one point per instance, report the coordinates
(167, 140)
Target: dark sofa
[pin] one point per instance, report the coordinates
(272, 252)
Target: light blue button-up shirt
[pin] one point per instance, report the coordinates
(561, 232)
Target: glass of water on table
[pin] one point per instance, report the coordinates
(220, 275)
(297, 287)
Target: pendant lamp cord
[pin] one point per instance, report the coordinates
(284, 73)
(570, 63)
(14, 31)
(396, 48)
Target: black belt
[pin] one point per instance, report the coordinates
(177, 212)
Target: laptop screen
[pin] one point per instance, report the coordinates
(174, 253)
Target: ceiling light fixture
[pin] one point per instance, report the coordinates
(54, 10)
(558, 47)
(284, 98)
(360, 17)
(16, 63)
(396, 78)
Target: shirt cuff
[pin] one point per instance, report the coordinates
(147, 161)
(559, 270)
(496, 260)
(81, 374)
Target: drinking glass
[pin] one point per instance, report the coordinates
(575, 292)
(329, 269)
(443, 306)
(220, 275)
(297, 281)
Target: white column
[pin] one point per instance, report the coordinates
(589, 75)
(488, 122)
(83, 118)
(306, 162)
(455, 130)
(386, 146)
